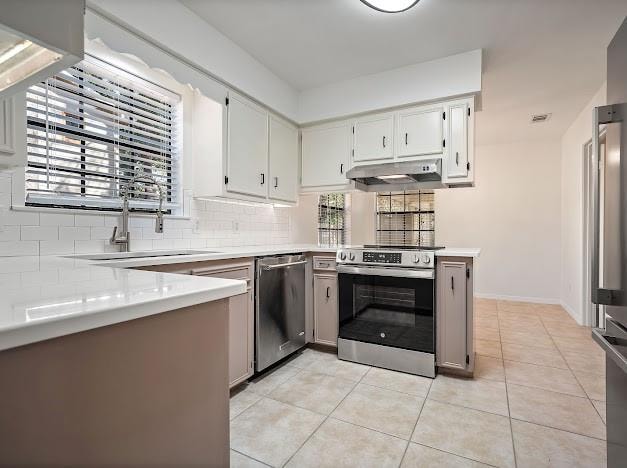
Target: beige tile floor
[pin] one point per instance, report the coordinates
(537, 400)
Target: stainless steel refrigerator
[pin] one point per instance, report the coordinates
(609, 259)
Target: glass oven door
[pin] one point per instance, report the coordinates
(386, 306)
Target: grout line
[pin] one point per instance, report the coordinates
(326, 417)
(424, 401)
(252, 458)
(559, 429)
(509, 413)
(578, 382)
(568, 365)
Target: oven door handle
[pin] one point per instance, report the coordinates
(398, 273)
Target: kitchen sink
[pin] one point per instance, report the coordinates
(144, 254)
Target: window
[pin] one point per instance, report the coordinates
(406, 218)
(90, 129)
(332, 219)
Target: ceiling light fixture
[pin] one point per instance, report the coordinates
(390, 6)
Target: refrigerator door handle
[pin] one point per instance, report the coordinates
(601, 115)
(609, 344)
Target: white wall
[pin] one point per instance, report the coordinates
(572, 146)
(513, 215)
(174, 27)
(436, 79)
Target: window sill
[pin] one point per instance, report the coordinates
(43, 209)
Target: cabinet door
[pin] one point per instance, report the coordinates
(240, 365)
(241, 323)
(373, 138)
(420, 132)
(247, 154)
(325, 309)
(452, 349)
(457, 164)
(326, 155)
(283, 161)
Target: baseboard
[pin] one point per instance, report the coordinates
(576, 317)
(536, 300)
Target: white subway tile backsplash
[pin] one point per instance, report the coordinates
(74, 233)
(17, 248)
(89, 246)
(101, 233)
(213, 224)
(39, 233)
(10, 233)
(56, 219)
(89, 220)
(22, 218)
(56, 247)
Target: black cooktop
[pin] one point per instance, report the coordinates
(402, 247)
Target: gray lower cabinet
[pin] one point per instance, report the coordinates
(325, 309)
(241, 322)
(454, 315)
(241, 310)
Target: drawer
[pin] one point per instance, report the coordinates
(324, 263)
(234, 273)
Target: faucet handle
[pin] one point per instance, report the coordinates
(113, 234)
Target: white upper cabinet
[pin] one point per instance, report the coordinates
(283, 182)
(12, 131)
(242, 152)
(373, 138)
(458, 141)
(420, 131)
(326, 151)
(458, 164)
(247, 148)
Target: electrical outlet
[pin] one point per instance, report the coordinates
(235, 225)
(196, 226)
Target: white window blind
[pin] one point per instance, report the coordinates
(90, 129)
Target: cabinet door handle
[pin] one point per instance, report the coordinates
(452, 283)
(263, 178)
(328, 292)
(405, 138)
(341, 168)
(384, 141)
(276, 182)
(457, 158)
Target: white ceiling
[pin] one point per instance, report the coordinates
(539, 55)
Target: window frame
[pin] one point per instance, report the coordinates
(341, 233)
(406, 234)
(145, 76)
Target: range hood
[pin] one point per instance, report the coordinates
(38, 38)
(387, 177)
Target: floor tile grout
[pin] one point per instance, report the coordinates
(248, 456)
(509, 412)
(578, 382)
(326, 418)
(505, 381)
(558, 429)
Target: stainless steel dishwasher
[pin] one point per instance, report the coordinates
(280, 308)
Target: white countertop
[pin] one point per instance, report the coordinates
(468, 252)
(47, 297)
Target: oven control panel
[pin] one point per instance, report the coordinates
(382, 257)
(404, 258)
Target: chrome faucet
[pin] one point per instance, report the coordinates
(124, 238)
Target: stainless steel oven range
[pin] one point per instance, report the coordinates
(387, 307)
